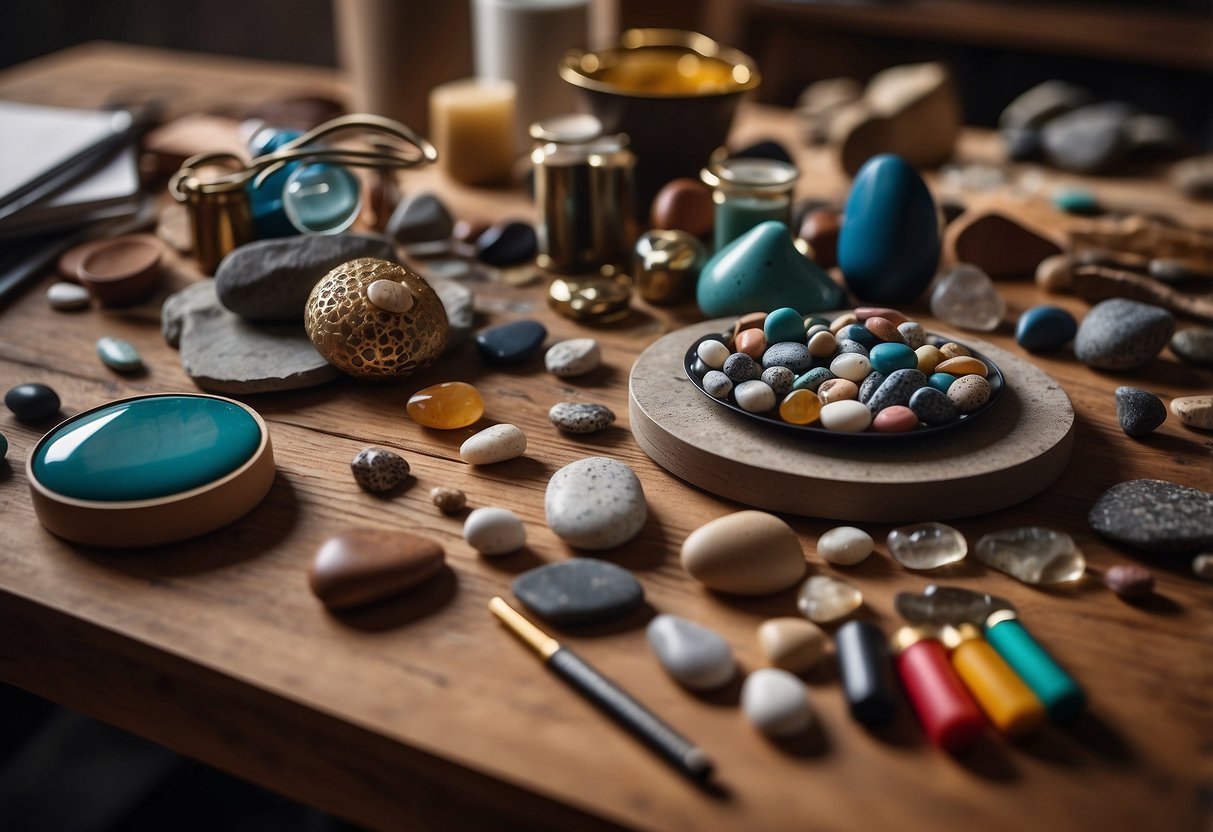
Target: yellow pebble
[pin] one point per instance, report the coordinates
(928, 358)
(800, 407)
(953, 350)
(837, 389)
(845, 319)
(963, 365)
(447, 406)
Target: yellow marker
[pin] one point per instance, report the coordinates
(1006, 700)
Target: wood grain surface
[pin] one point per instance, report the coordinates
(422, 713)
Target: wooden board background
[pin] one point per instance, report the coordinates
(423, 714)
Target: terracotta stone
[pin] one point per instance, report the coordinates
(364, 565)
(685, 205)
(998, 245)
(820, 229)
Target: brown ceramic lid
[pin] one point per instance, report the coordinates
(123, 270)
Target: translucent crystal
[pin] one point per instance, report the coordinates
(927, 545)
(966, 297)
(1033, 554)
(948, 605)
(823, 598)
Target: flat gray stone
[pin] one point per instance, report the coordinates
(420, 219)
(1155, 516)
(694, 655)
(1090, 139)
(270, 280)
(1121, 334)
(177, 306)
(579, 591)
(459, 303)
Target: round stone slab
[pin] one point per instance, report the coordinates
(1017, 449)
(150, 470)
(580, 591)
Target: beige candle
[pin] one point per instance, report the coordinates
(472, 125)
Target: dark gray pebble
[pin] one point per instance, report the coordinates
(897, 388)
(847, 345)
(579, 591)
(779, 379)
(1194, 345)
(870, 385)
(1155, 516)
(32, 403)
(507, 244)
(791, 354)
(420, 219)
(1140, 412)
(933, 406)
(740, 367)
(510, 343)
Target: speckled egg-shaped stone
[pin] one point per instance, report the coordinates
(791, 354)
(497, 443)
(932, 406)
(1122, 334)
(584, 417)
(717, 385)
(969, 393)
(595, 503)
(912, 334)
(896, 389)
(574, 357)
(365, 340)
(740, 367)
(779, 379)
(378, 469)
(869, 386)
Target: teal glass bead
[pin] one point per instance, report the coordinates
(265, 200)
(146, 448)
(886, 358)
(784, 324)
(1061, 695)
(321, 199)
(941, 381)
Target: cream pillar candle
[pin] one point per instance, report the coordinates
(472, 123)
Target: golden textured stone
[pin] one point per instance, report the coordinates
(446, 406)
(365, 340)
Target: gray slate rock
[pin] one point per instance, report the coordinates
(421, 219)
(1140, 412)
(177, 306)
(270, 280)
(1194, 345)
(1155, 516)
(579, 591)
(1042, 103)
(1121, 334)
(1090, 139)
(791, 354)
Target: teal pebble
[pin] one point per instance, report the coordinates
(119, 355)
(941, 381)
(784, 324)
(146, 448)
(813, 379)
(860, 334)
(1078, 201)
(886, 358)
(1045, 328)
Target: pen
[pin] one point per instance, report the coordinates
(676, 749)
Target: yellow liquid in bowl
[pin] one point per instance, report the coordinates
(669, 71)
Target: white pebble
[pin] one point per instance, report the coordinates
(776, 702)
(494, 531)
(67, 296)
(845, 545)
(754, 396)
(1202, 566)
(574, 357)
(913, 334)
(493, 444)
(848, 416)
(851, 366)
(390, 296)
(822, 344)
(713, 353)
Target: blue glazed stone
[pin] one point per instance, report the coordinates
(897, 388)
(510, 343)
(146, 448)
(889, 245)
(791, 354)
(1078, 201)
(813, 379)
(762, 270)
(119, 355)
(784, 324)
(886, 358)
(859, 334)
(933, 407)
(941, 381)
(1045, 328)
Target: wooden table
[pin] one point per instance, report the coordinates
(424, 714)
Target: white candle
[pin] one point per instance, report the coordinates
(472, 123)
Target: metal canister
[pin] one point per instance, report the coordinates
(583, 190)
(220, 215)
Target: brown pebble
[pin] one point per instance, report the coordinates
(836, 390)
(1054, 274)
(364, 565)
(685, 205)
(448, 500)
(953, 350)
(884, 329)
(751, 320)
(891, 315)
(820, 230)
(1129, 581)
(752, 342)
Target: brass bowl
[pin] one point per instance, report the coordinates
(673, 92)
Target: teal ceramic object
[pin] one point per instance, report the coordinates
(762, 270)
(146, 448)
(784, 324)
(1061, 695)
(888, 248)
(941, 381)
(887, 358)
(119, 355)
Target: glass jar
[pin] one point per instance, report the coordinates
(748, 191)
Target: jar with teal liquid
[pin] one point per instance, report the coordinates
(748, 191)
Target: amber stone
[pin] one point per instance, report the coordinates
(800, 407)
(963, 365)
(446, 406)
(364, 565)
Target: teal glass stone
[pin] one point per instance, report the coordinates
(265, 199)
(1079, 201)
(886, 358)
(321, 199)
(1062, 697)
(941, 381)
(146, 448)
(784, 324)
(813, 379)
(118, 355)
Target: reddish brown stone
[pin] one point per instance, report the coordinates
(998, 245)
(363, 565)
(685, 205)
(820, 228)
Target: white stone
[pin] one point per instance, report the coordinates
(574, 357)
(824, 599)
(694, 655)
(67, 296)
(595, 503)
(494, 531)
(848, 415)
(776, 702)
(1202, 566)
(852, 366)
(913, 334)
(390, 296)
(713, 353)
(754, 396)
(493, 444)
(966, 297)
(793, 643)
(845, 545)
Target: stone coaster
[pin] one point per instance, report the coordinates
(1013, 452)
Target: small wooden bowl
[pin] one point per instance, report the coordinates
(122, 271)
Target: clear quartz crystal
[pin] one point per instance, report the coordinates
(966, 297)
(824, 599)
(948, 605)
(926, 545)
(1033, 554)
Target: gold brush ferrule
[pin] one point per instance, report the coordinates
(528, 633)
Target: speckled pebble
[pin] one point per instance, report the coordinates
(586, 417)
(813, 379)
(845, 346)
(897, 388)
(754, 396)
(67, 297)
(712, 353)
(912, 334)
(717, 384)
(969, 393)
(1194, 411)
(378, 469)
(791, 354)
(933, 407)
(497, 443)
(884, 329)
(851, 366)
(1194, 345)
(1121, 334)
(574, 357)
(1155, 516)
(779, 379)
(1140, 412)
(846, 416)
(845, 545)
(448, 500)
(950, 349)
(1129, 581)
(869, 386)
(740, 367)
(595, 503)
(494, 531)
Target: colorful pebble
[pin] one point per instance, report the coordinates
(929, 358)
(912, 334)
(752, 342)
(895, 419)
(1045, 328)
(863, 313)
(860, 333)
(812, 380)
(884, 329)
(120, 356)
(963, 365)
(447, 406)
(932, 406)
(969, 393)
(941, 381)
(823, 344)
(784, 324)
(800, 407)
(953, 350)
(896, 389)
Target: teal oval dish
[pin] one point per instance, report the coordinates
(146, 448)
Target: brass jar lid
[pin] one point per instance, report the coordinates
(600, 300)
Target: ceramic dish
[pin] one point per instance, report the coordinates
(815, 431)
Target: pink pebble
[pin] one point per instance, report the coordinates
(895, 419)
(865, 312)
(752, 342)
(884, 329)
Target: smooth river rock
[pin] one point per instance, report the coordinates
(581, 417)
(1194, 345)
(1155, 516)
(776, 702)
(793, 643)
(697, 657)
(579, 591)
(497, 443)
(1194, 411)
(845, 546)
(595, 503)
(1121, 334)
(365, 565)
(745, 553)
(574, 357)
(494, 531)
(420, 219)
(32, 403)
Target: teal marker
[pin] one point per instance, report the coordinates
(1061, 695)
